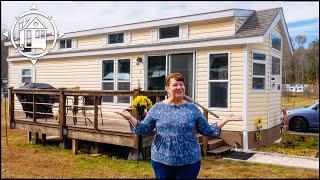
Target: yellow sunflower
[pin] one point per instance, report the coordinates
(141, 102)
(259, 123)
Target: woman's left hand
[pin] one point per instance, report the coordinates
(232, 117)
(228, 118)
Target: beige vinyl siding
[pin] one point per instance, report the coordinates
(210, 29)
(90, 42)
(238, 23)
(265, 104)
(235, 81)
(275, 96)
(84, 72)
(141, 36)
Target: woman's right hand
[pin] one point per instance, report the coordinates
(125, 114)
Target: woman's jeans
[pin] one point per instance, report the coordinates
(163, 171)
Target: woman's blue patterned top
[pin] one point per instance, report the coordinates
(175, 142)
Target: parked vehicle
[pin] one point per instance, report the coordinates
(302, 119)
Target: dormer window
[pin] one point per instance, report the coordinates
(67, 43)
(169, 32)
(115, 38)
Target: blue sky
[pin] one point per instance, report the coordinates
(69, 16)
(309, 27)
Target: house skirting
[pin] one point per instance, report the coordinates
(269, 136)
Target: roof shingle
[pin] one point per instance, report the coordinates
(258, 23)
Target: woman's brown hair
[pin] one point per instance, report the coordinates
(176, 76)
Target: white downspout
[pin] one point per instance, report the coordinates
(245, 98)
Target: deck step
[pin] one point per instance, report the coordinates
(215, 143)
(220, 150)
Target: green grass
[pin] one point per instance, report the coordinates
(294, 144)
(21, 159)
(297, 101)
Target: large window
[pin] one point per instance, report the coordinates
(169, 32)
(276, 42)
(119, 79)
(26, 75)
(67, 43)
(218, 80)
(115, 38)
(258, 70)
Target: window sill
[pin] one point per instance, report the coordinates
(219, 109)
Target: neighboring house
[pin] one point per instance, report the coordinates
(33, 34)
(231, 61)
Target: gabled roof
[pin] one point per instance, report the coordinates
(258, 23)
(261, 23)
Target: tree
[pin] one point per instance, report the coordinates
(4, 55)
(300, 40)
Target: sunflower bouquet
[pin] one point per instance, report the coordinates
(141, 102)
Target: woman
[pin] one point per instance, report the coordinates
(175, 151)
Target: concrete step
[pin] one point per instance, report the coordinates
(215, 143)
(220, 150)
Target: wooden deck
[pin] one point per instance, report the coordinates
(69, 121)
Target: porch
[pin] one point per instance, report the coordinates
(75, 120)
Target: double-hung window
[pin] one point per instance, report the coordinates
(26, 75)
(258, 70)
(116, 75)
(218, 80)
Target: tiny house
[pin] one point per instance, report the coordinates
(231, 61)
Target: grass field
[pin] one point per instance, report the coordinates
(294, 144)
(297, 101)
(21, 159)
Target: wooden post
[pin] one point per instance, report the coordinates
(29, 136)
(35, 138)
(205, 138)
(34, 109)
(75, 109)
(133, 155)
(43, 139)
(75, 146)
(96, 112)
(62, 113)
(11, 108)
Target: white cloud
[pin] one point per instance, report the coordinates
(75, 16)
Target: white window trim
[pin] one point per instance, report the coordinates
(31, 74)
(115, 79)
(279, 36)
(169, 39)
(259, 76)
(209, 81)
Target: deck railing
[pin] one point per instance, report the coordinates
(63, 107)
